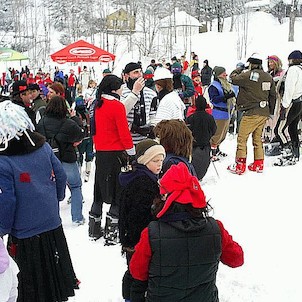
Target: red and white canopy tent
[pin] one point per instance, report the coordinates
(82, 51)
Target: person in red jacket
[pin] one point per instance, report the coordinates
(178, 255)
(72, 84)
(111, 137)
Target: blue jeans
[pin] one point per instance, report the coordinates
(75, 185)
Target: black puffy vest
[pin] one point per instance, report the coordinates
(184, 261)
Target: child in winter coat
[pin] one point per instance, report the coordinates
(177, 140)
(178, 255)
(140, 188)
(203, 127)
(86, 146)
(8, 276)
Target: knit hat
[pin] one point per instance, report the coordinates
(148, 74)
(181, 187)
(34, 86)
(176, 68)
(174, 59)
(240, 65)
(218, 70)
(273, 58)
(106, 71)
(15, 122)
(162, 73)
(131, 66)
(200, 103)
(206, 62)
(19, 87)
(255, 59)
(295, 55)
(195, 73)
(148, 149)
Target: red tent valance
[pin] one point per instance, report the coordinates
(82, 51)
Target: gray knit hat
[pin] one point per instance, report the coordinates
(148, 149)
(218, 70)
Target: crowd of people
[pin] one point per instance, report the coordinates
(152, 135)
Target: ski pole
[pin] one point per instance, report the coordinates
(215, 169)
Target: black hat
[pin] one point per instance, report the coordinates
(131, 66)
(255, 59)
(295, 55)
(200, 103)
(174, 59)
(34, 86)
(206, 62)
(19, 87)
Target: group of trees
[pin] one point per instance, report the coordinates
(27, 25)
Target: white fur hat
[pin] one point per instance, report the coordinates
(14, 122)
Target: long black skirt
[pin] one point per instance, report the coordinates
(46, 271)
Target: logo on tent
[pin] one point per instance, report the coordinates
(5, 55)
(82, 51)
(105, 58)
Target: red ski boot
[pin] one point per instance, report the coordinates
(239, 167)
(256, 166)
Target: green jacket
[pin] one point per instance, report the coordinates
(257, 93)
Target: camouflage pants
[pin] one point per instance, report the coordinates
(251, 124)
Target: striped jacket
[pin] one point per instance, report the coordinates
(149, 94)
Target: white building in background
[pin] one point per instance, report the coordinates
(176, 32)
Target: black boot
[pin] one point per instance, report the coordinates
(296, 151)
(111, 230)
(95, 230)
(287, 156)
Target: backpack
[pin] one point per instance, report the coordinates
(53, 142)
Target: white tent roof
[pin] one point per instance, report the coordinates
(181, 18)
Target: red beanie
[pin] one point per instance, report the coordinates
(182, 187)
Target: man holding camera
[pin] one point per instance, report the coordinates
(140, 114)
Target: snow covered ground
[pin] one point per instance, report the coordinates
(261, 211)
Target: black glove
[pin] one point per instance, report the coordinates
(229, 95)
(138, 290)
(123, 159)
(282, 113)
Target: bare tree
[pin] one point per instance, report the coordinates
(292, 19)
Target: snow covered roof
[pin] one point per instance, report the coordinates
(271, 3)
(181, 19)
(258, 3)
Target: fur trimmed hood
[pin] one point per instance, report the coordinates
(23, 145)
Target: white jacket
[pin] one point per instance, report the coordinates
(293, 85)
(170, 107)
